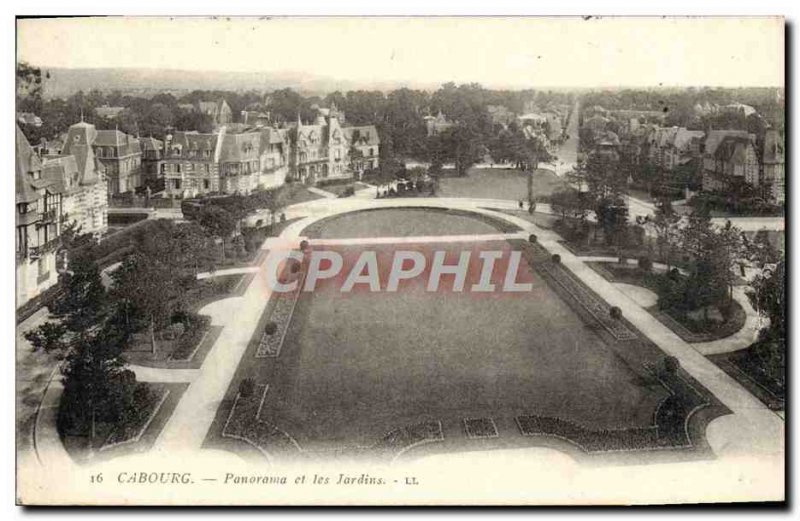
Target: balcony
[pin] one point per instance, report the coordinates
(34, 252)
(50, 215)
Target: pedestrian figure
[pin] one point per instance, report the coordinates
(520, 204)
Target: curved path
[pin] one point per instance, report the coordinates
(740, 340)
(642, 296)
(195, 413)
(189, 424)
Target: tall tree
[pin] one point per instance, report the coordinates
(666, 224)
(148, 293)
(218, 221)
(78, 310)
(29, 88)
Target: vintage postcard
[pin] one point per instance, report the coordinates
(400, 261)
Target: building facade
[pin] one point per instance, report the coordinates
(38, 224)
(772, 164)
(729, 156)
(188, 164)
(119, 154)
(435, 125)
(239, 159)
(327, 150)
(84, 195)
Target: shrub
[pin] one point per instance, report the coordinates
(271, 328)
(347, 192)
(532, 238)
(615, 313)
(670, 364)
(645, 263)
(556, 258)
(247, 387)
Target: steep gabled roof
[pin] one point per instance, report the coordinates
(733, 149)
(240, 147)
(62, 172)
(363, 135)
(715, 137)
(151, 143)
(27, 162)
(196, 141)
(124, 143)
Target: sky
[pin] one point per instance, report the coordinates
(513, 52)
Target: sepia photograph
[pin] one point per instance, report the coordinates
(479, 260)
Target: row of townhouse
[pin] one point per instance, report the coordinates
(240, 159)
(735, 156)
(671, 147)
(721, 157)
(52, 191)
(119, 154)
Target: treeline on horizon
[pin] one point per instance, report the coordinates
(678, 105)
(397, 114)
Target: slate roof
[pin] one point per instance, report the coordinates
(151, 143)
(196, 141)
(27, 162)
(124, 143)
(365, 135)
(240, 147)
(715, 137)
(62, 172)
(78, 143)
(733, 149)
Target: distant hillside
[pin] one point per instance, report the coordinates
(64, 82)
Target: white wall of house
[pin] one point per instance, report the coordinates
(35, 276)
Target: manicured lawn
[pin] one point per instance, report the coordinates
(356, 366)
(499, 183)
(340, 189)
(298, 193)
(542, 220)
(405, 222)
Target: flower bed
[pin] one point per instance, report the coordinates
(405, 438)
(245, 423)
(668, 431)
(684, 328)
(596, 306)
(480, 428)
(689, 331)
(195, 329)
(269, 346)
